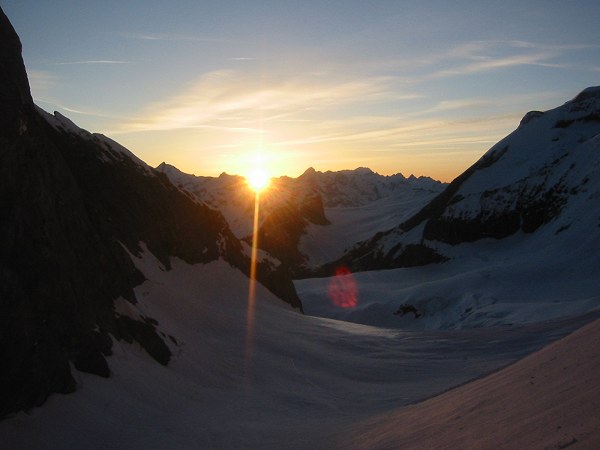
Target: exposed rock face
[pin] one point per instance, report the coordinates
(73, 206)
(15, 96)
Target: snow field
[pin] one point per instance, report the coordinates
(307, 378)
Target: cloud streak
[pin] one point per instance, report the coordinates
(481, 56)
(229, 97)
(169, 37)
(92, 62)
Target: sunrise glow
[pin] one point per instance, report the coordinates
(422, 90)
(258, 180)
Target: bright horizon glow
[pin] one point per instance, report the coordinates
(258, 180)
(417, 87)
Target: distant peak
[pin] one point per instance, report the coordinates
(168, 169)
(309, 174)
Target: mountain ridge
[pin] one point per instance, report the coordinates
(292, 209)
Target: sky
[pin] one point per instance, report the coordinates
(418, 87)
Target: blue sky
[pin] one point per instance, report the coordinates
(423, 87)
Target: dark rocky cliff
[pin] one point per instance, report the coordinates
(15, 96)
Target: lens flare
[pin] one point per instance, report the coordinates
(342, 289)
(252, 287)
(258, 180)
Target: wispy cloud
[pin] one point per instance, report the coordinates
(170, 37)
(92, 62)
(222, 97)
(393, 134)
(480, 56)
(491, 63)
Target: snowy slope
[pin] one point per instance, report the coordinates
(303, 380)
(547, 400)
(547, 171)
(352, 224)
(517, 280)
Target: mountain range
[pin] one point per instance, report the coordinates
(294, 212)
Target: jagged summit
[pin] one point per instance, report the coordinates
(311, 170)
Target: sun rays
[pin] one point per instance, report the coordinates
(258, 180)
(252, 286)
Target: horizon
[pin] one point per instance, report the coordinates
(302, 172)
(422, 88)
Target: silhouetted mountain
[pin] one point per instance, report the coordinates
(286, 208)
(74, 207)
(291, 205)
(545, 172)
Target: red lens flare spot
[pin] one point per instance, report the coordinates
(342, 289)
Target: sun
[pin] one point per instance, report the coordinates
(258, 180)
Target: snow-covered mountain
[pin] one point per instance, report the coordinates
(544, 174)
(359, 187)
(75, 209)
(518, 234)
